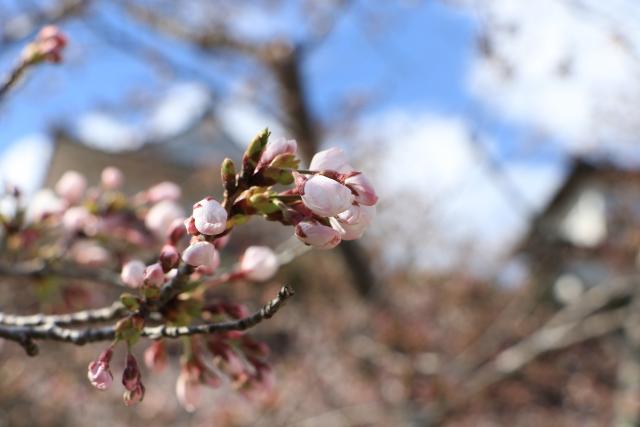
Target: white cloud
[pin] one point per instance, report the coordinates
(183, 104)
(106, 133)
(24, 163)
(242, 120)
(438, 198)
(570, 71)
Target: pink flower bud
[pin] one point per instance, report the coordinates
(131, 397)
(155, 356)
(210, 217)
(161, 216)
(98, 373)
(50, 42)
(131, 374)
(258, 263)
(176, 231)
(190, 226)
(364, 191)
(202, 255)
(132, 273)
(153, 275)
(332, 159)
(187, 390)
(169, 257)
(164, 191)
(71, 186)
(76, 218)
(112, 178)
(317, 235)
(275, 148)
(325, 196)
(88, 253)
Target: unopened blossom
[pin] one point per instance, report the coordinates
(47, 46)
(131, 377)
(258, 263)
(99, 373)
(203, 256)
(111, 178)
(76, 218)
(317, 235)
(169, 257)
(176, 231)
(276, 148)
(232, 363)
(210, 217)
(364, 192)
(162, 215)
(332, 159)
(166, 190)
(71, 186)
(155, 356)
(133, 273)
(154, 275)
(325, 196)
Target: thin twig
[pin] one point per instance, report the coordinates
(81, 317)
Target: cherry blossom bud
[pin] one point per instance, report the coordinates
(275, 148)
(364, 191)
(210, 217)
(112, 178)
(98, 373)
(190, 226)
(176, 231)
(133, 273)
(258, 263)
(161, 216)
(154, 275)
(187, 389)
(164, 191)
(155, 356)
(51, 41)
(131, 374)
(169, 257)
(71, 186)
(202, 255)
(332, 159)
(131, 397)
(314, 234)
(76, 218)
(325, 196)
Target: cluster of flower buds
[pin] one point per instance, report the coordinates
(100, 376)
(47, 46)
(99, 225)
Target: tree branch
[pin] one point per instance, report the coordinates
(25, 335)
(81, 317)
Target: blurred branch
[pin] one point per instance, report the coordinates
(38, 268)
(32, 20)
(81, 317)
(25, 335)
(627, 391)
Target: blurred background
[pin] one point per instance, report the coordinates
(497, 283)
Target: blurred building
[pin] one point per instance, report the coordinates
(590, 231)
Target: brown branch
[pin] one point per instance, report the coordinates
(81, 317)
(12, 78)
(25, 335)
